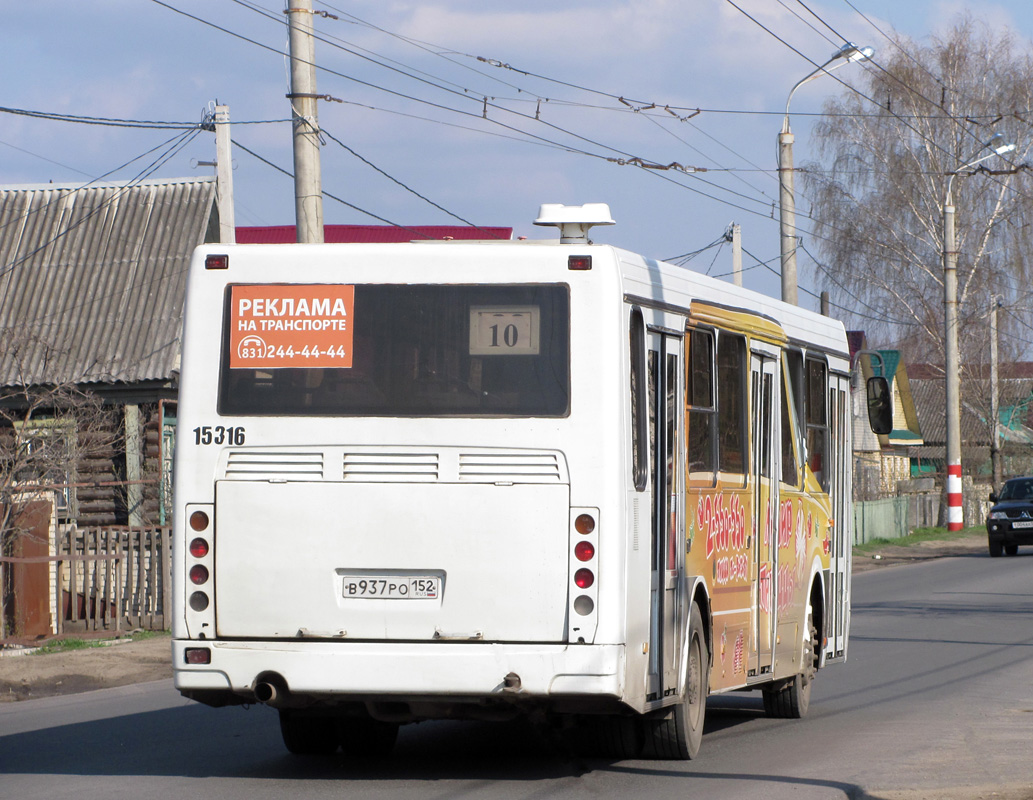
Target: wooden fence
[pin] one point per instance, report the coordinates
(113, 579)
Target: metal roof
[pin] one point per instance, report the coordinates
(285, 234)
(92, 278)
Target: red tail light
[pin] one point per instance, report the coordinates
(584, 551)
(199, 548)
(198, 655)
(199, 574)
(199, 521)
(584, 578)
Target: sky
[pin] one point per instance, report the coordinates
(462, 111)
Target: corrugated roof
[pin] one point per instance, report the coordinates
(92, 278)
(352, 234)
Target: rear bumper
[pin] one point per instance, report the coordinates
(572, 676)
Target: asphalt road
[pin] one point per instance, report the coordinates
(935, 702)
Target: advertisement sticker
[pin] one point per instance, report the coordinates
(282, 326)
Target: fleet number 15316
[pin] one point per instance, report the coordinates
(217, 434)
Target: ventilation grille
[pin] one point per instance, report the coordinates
(376, 466)
(274, 466)
(509, 467)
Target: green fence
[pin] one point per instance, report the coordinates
(894, 517)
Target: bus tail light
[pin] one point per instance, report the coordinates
(198, 565)
(583, 589)
(584, 524)
(198, 655)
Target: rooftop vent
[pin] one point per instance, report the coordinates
(574, 222)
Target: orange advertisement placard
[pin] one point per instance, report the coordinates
(281, 326)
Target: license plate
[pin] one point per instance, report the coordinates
(1028, 524)
(395, 587)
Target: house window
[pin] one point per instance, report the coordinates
(44, 456)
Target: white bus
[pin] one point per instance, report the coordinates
(483, 479)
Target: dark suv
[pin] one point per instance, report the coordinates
(1011, 519)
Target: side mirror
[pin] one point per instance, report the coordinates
(993, 497)
(880, 407)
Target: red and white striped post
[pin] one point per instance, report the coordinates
(955, 511)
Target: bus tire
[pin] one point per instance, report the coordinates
(308, 734)
(790, 699)
(678, 734)
(365, 737)
(612, 737)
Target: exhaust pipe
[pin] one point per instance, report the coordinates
(265, 693)
(271, 689)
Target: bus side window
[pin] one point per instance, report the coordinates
(732, 368)
(790, 424)
(817, 421)
(699, 394)
(639, 402)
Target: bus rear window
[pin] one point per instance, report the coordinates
(396, 350)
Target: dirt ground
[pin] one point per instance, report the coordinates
(123, 662)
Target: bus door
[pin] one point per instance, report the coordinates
(841, 492)
(666, 409)
(764, 416)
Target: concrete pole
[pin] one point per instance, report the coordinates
(224, 176)
(736, 254)
(995, 399)
(952, 367)
(308, 183)
(826, 306)
(134, 465)
(787, 215)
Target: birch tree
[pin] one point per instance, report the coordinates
(886, 155)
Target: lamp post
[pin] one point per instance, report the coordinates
(952, 363)
(847, 54)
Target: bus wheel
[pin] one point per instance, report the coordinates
(308, 734)
(365, 737)
(790, 699)
(678, 734)
(611, 737)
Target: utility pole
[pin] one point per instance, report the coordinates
(787, 213)
(952, 372)
(224, 176)
(826, 306)
(995, 399)
(736, 254)
(847, 54)
(952, 361)
(308, 183)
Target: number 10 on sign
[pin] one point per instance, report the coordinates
(496, 330)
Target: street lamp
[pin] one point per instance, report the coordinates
(847, 54)
(952, 363)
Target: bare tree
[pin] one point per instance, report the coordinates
(879, 190)
(46, 433)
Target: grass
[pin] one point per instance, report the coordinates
(920, 535)
(70, 644)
